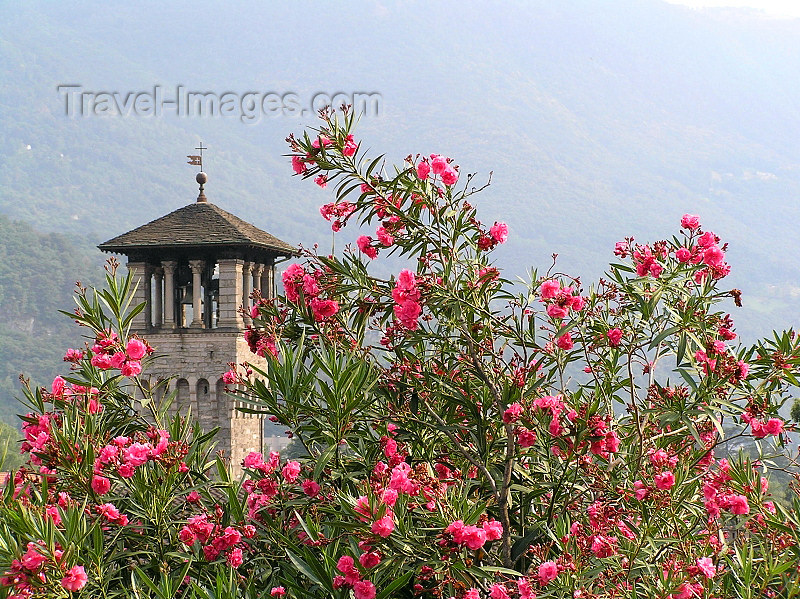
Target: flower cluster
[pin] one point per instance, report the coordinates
(216, 541)
(37, 565)
(108, 353)
(407, 299)
(298, 283)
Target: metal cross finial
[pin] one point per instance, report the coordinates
(201, 148)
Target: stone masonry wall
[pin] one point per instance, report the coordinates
(194, 361)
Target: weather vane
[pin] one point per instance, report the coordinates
(197, 160)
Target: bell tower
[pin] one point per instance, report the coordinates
(196, 268)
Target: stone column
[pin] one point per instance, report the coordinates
(197, 267)
(270, 272)
(271, 280)
(258, 269)
(230, 293)
(141, 272)
(247, 269)
(158, 305)
(263, 284)
(169, 267)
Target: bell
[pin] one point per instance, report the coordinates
(186, 294)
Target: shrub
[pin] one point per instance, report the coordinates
(462, 436)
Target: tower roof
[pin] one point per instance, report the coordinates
(196, 225)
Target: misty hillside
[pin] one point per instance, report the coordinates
(599, 120)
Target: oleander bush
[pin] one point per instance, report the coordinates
(457, 434)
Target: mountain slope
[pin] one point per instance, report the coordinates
(598, 120)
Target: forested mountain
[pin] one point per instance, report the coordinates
(38, 272)
(598, 119)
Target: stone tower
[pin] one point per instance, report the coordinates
(196, 267)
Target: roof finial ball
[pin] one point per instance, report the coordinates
(201, 178)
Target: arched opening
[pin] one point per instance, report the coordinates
(205, 411)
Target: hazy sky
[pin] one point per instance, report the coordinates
(785, 8)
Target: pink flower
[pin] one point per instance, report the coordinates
(512, 413)
(101, 361)
(707, 239)
(310, 487)
(370, 559)
(118, 359)
(614, 337)
(350, 146)
(774, 426)
(526, 438)
(640, 490)
(713, 256)
(364, 244)
(298, 165)
(73, 355)
(449, 175)
(706, 566)
(136, 349)
(277, 592)
(32, 559)
(131, 368)
(100, 485)
(498, 591)
(186, 536)
(364, 589)
(473, 537)
(323, 309)
(565, 342)
(345, 564)
(291, 471)
(499, 232)
(438, 164)
(384, 526)
(254, 459)
(739, 505)
(548, 572)
(665, 480)
(690, 221)
(472, 594)
(604, 546)
(408, 314)
(136, 454)
(235, 558)
(683, 255)
(524, 589)
(75, 579)
(384, 237)
(493, 530)
(577, 303)
(322, 181)
(556, 312)
(423, 170)
(310, 286)
(549, 289)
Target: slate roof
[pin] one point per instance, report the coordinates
(198, 224)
